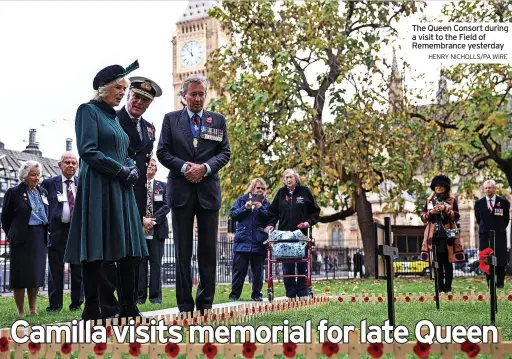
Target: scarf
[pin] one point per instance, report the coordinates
(105, 107)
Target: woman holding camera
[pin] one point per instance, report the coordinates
(441, 213)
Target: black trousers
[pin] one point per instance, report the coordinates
(207, 226)
(500, 276)
(156, 252)
(56, 273)
(295, 287)
(445, 271)
(241, 262)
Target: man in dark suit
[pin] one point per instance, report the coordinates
(142, 137)
(493, 214)
(156, 228)
(61, 198)
(194, 146)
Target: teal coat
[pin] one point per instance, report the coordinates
(105, 224)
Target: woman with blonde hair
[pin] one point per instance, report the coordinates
(250, 211)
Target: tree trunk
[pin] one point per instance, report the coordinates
(365, 221)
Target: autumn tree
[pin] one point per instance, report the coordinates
(472, 123)
(303, 85)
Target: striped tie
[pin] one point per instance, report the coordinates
(71, 198)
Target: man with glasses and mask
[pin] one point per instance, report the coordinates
(194, 146)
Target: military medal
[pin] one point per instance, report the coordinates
(195, 142)
(196, 127)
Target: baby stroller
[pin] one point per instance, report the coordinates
(288, 247)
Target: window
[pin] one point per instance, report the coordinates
(337, 235)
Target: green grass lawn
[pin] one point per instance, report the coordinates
(352, 313)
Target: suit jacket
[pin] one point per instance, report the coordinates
(53, 186)
(176, 147)
(498, 221)
(16, 213)
(140, 151)
(160, 210)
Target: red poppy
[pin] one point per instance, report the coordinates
(366, 299)
(340, 299)
(353, 300)
(450, 297)
(249, 350)
(394, 300)
(174, 322)
(223, 317)
(205, 319)
(330, 348)
(480, 297)
(134, 349)
(465, 297)
(272, 307)
(376, 350)
(34, 347)
(407, 299)
(289, 349)
(109, 331)
(185, 323)
(470, 349)
(172, 350)
(380, 299)
(434, 297)
(195, 321)
(100, 348)
(4, 344)
(246, 311)
(209, 350)
(65, 348)
(510, 297)
(422, 350)
(421, 299)
(214, 317)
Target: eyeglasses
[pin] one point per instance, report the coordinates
(263, 188)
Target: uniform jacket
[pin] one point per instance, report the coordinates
(455, 250)
(16, 213)
(498, 221)
(106, 224)
(53, 186)
(250, 227)
(160, 210)
(140, 151)
(292, 209)
(176, 147)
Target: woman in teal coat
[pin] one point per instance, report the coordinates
(105, 225)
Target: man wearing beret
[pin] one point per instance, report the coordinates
(194, 146)
(141, 133)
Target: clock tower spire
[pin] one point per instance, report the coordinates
(196, 36)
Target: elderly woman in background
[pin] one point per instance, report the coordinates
(106, 225)
(25, 220)
(293, 207)
(250, 211)
(441, 212)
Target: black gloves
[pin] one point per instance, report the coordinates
(128, 175)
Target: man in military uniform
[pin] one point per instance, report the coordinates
(142, 136)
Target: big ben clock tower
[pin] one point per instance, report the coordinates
(197, 35)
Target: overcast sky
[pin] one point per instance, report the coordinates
(51, 51)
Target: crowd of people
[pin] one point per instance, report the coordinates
(109, 220)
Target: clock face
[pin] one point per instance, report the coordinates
(191, 53)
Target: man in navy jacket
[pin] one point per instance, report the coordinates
(61, 197)
(194, 146)
(156, 227)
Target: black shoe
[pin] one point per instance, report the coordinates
(232, 298)
(257, 298)
(141, 301)
(155, 301)
(500, 286)
(74, 308)
(53, 309)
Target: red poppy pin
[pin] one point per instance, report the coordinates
(288, 198)
(209, 120)
(498, 204)
(157, 191)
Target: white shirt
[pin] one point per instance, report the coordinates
(493, 198)
(66, 218)
(139, 129)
